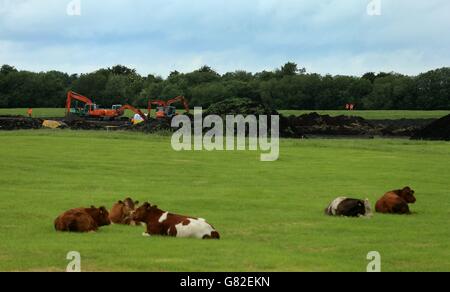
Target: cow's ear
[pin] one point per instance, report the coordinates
(92, 206)
(155, 206)
(136, 202)
(120, 202)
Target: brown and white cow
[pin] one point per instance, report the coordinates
(122, 211)
(396, 202)
(163, 223)
(82, 219)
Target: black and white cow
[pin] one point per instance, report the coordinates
(344, 206)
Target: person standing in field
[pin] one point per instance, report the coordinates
(30, 112)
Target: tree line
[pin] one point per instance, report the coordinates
(288, 87)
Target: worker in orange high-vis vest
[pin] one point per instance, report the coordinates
(30, 112)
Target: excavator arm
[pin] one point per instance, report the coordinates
(121, 110)
(181, 99)
(157, 103)
(166, 105)
(73, 95)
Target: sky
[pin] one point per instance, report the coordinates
(338, 37)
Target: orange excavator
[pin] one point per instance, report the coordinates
(93, 111)
(165, 109)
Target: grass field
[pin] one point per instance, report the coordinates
(37, 112)
(59, 112)
(270, 215)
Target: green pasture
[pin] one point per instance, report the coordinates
(269, 214)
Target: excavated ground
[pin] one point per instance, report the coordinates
(437, 130)
(309, 125)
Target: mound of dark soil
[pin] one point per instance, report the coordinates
(10, 123)
(438, 130)
(315, 124)
(153, 126)
(401, 127)
(85, 125)
(239, 106)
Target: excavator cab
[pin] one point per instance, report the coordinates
(166, 112)
(165, 109)
(160, 112)
(89, 108)
(76, 110)
(171, 111)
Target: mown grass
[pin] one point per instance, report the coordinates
(59, 112)
(270, 215)
(37, 112)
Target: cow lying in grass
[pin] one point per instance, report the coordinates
(163, 223)
(82, 219)
(122, 211)
(343, 206)
(396, 202)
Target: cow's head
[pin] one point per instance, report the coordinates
(408, 195)
(141, 213)
(101, 216)
(368, 212)
(130, 204)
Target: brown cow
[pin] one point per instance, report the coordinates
(396, 202)
(122, 210)
(166, 224)
(82, 219)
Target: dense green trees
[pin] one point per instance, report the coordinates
(288, 87)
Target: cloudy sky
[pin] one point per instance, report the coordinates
(159, 36)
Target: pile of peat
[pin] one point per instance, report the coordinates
(437, 130)
(9, 123)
